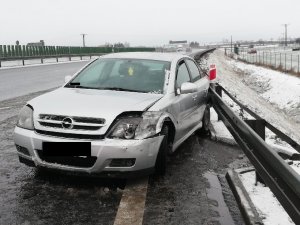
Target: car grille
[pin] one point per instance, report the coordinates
(70, 135)
(83, 162)
(77, 123)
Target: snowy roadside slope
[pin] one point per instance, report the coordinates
(263, 94)
(280, 89)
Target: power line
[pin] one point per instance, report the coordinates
(83, 39)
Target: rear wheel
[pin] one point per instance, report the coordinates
(204, 131)
(161, 160)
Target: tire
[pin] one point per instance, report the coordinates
(161, 160)
(205, 131)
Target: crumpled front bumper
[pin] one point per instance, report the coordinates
(143, 151)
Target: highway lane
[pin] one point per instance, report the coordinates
(20, 81)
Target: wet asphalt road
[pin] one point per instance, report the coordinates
(29, 196)
(182, 196)
(24, 80)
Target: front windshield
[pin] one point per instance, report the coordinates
(136, 75)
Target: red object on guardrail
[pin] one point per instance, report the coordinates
(212, 72)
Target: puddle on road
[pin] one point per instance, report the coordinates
(214, 194)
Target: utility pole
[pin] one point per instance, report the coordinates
(285, 28)
(83, 39)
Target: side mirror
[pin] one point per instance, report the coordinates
(68, 78)
(212, 72)
(187, 88)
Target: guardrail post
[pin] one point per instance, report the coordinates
(218, 89)
(259, 126)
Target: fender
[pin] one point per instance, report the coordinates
(165, 117)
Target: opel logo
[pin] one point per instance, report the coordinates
(67, 123)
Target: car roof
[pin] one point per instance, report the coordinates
(146, 55)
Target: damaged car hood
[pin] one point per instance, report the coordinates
(106, 104)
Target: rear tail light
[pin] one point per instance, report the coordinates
(212, 72)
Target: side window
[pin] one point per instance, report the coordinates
(195, 74)
(182, 75)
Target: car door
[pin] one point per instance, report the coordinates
(202, 82)
(184, 103)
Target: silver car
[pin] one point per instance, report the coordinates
(121, 115)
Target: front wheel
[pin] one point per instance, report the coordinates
(161, 160)
(204, 131)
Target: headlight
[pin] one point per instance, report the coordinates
(125, 128)
(26, 118)
(136, 127)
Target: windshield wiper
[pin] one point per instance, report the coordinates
(76, 85)
(120, 89)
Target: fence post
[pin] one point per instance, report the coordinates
(4, 51)
(298, 63)
(280, 60)
(8, 51)
(285, 62)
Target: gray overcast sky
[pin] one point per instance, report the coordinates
(139, 22)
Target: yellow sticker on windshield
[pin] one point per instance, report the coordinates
(130, 71)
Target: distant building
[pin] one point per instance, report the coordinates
(41, 43)
(178, 42)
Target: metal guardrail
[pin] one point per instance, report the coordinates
(283, 181)
(198, 55)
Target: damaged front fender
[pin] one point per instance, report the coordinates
(152, 124)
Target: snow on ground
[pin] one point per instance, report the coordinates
(278, 88)
(264, 200)
(220, 131)
(272, 95)
(296, 166)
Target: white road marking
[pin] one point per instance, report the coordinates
(132, 204)
(4, 108)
